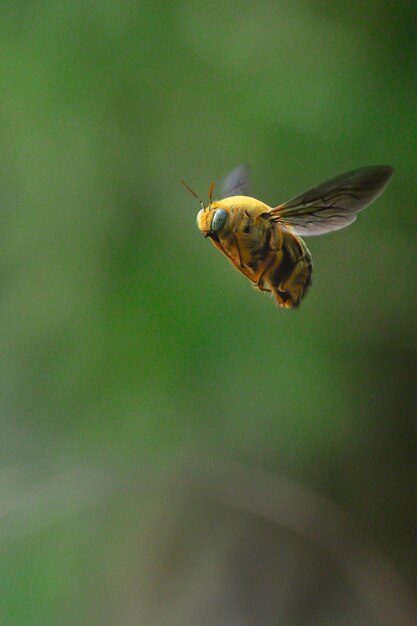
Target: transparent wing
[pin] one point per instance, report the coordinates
(333, 204)
(237, 183)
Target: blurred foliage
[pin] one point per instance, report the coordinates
(126, 336)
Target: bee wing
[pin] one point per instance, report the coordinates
(333, 204)
(237, 182)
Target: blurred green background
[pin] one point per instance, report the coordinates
(129, 342)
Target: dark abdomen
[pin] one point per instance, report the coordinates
(290, 275)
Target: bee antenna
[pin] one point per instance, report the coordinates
(211, 193)
(192, 192)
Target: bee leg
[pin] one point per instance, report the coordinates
(261, 286)
(238, 252)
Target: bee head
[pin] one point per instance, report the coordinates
(209, 220)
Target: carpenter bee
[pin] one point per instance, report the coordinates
(264, 243)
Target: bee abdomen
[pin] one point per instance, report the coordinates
(290, 277)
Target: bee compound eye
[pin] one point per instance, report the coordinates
(199, 214)
(219, 220)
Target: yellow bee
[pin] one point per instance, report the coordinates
(264, 243)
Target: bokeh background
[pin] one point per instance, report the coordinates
(174, 448)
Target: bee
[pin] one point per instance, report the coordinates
(264, 243)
